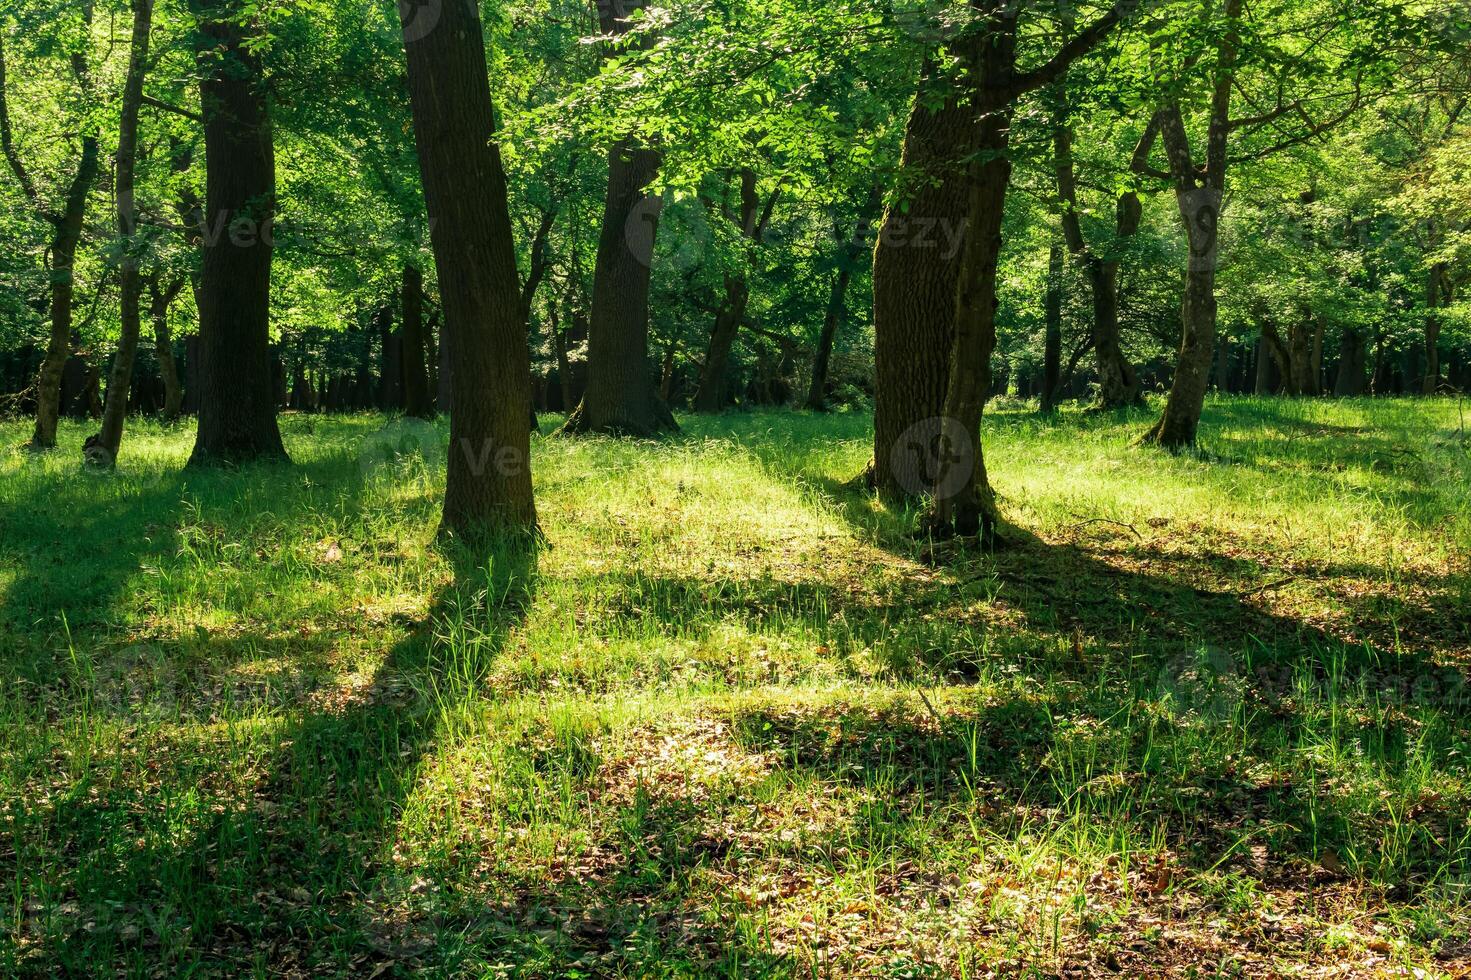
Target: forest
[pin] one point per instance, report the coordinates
(682, 488)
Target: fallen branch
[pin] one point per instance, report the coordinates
(1106, 520)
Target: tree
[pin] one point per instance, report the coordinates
(130, 274)
(236, 390)
(620, 397)
(488, 484)
(965, 503)
(66, 223)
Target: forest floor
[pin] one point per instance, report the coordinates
(1207, 715)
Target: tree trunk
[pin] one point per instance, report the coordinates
(620, 397)
(1351, 365)
(64, 242)
(1438, 295)
(1118, 382)
(915, 271)
(837, 304)
(1199, 193)
(390, 361)
(488, 485)
(964, 502)
(237, 397)
(1052, 342)
(159, 301)
(415, 373)
(710, 397)
(130, 276)
(1177, 427)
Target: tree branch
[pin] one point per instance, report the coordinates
(1080, 44)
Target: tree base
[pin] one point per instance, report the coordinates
(662, 424)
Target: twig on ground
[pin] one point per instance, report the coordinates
(1269, 587)
(930, 707)
(1106, 520)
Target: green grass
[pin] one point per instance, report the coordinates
(1208, 715)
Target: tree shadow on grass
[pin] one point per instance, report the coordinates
(255, 848)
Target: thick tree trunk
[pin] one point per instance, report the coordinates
(488, 484)
(1351, 365)
(159, 301)
(237, 397)
(620, 397)
(130, 276)
(837, 303)
(915, 271)
(415, 373)
(964, 503)
(1052, 341)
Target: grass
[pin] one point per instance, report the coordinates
(1207, 716)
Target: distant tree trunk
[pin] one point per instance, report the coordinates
(68, 235)
(1052, 342)
(390, 361)
(916, 266)
(1223, 365)
(1263, 382)
(130, 275)
(837, 304)
(488, 484)
(237, 397)
(1351, 365)
(1437, 296)
(159, 301)
(1118, 382)
(415, 374)
(620, 397)
(711, 396)
(1199, 194)
(1316, 368)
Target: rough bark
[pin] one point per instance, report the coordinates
(488, 484)
(1199, 194)
(915, 270)
(415, 373)
(130, 275)
(620, 398)
(236, 392)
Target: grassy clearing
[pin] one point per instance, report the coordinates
(1208, 715)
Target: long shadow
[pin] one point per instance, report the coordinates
(276, 875)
